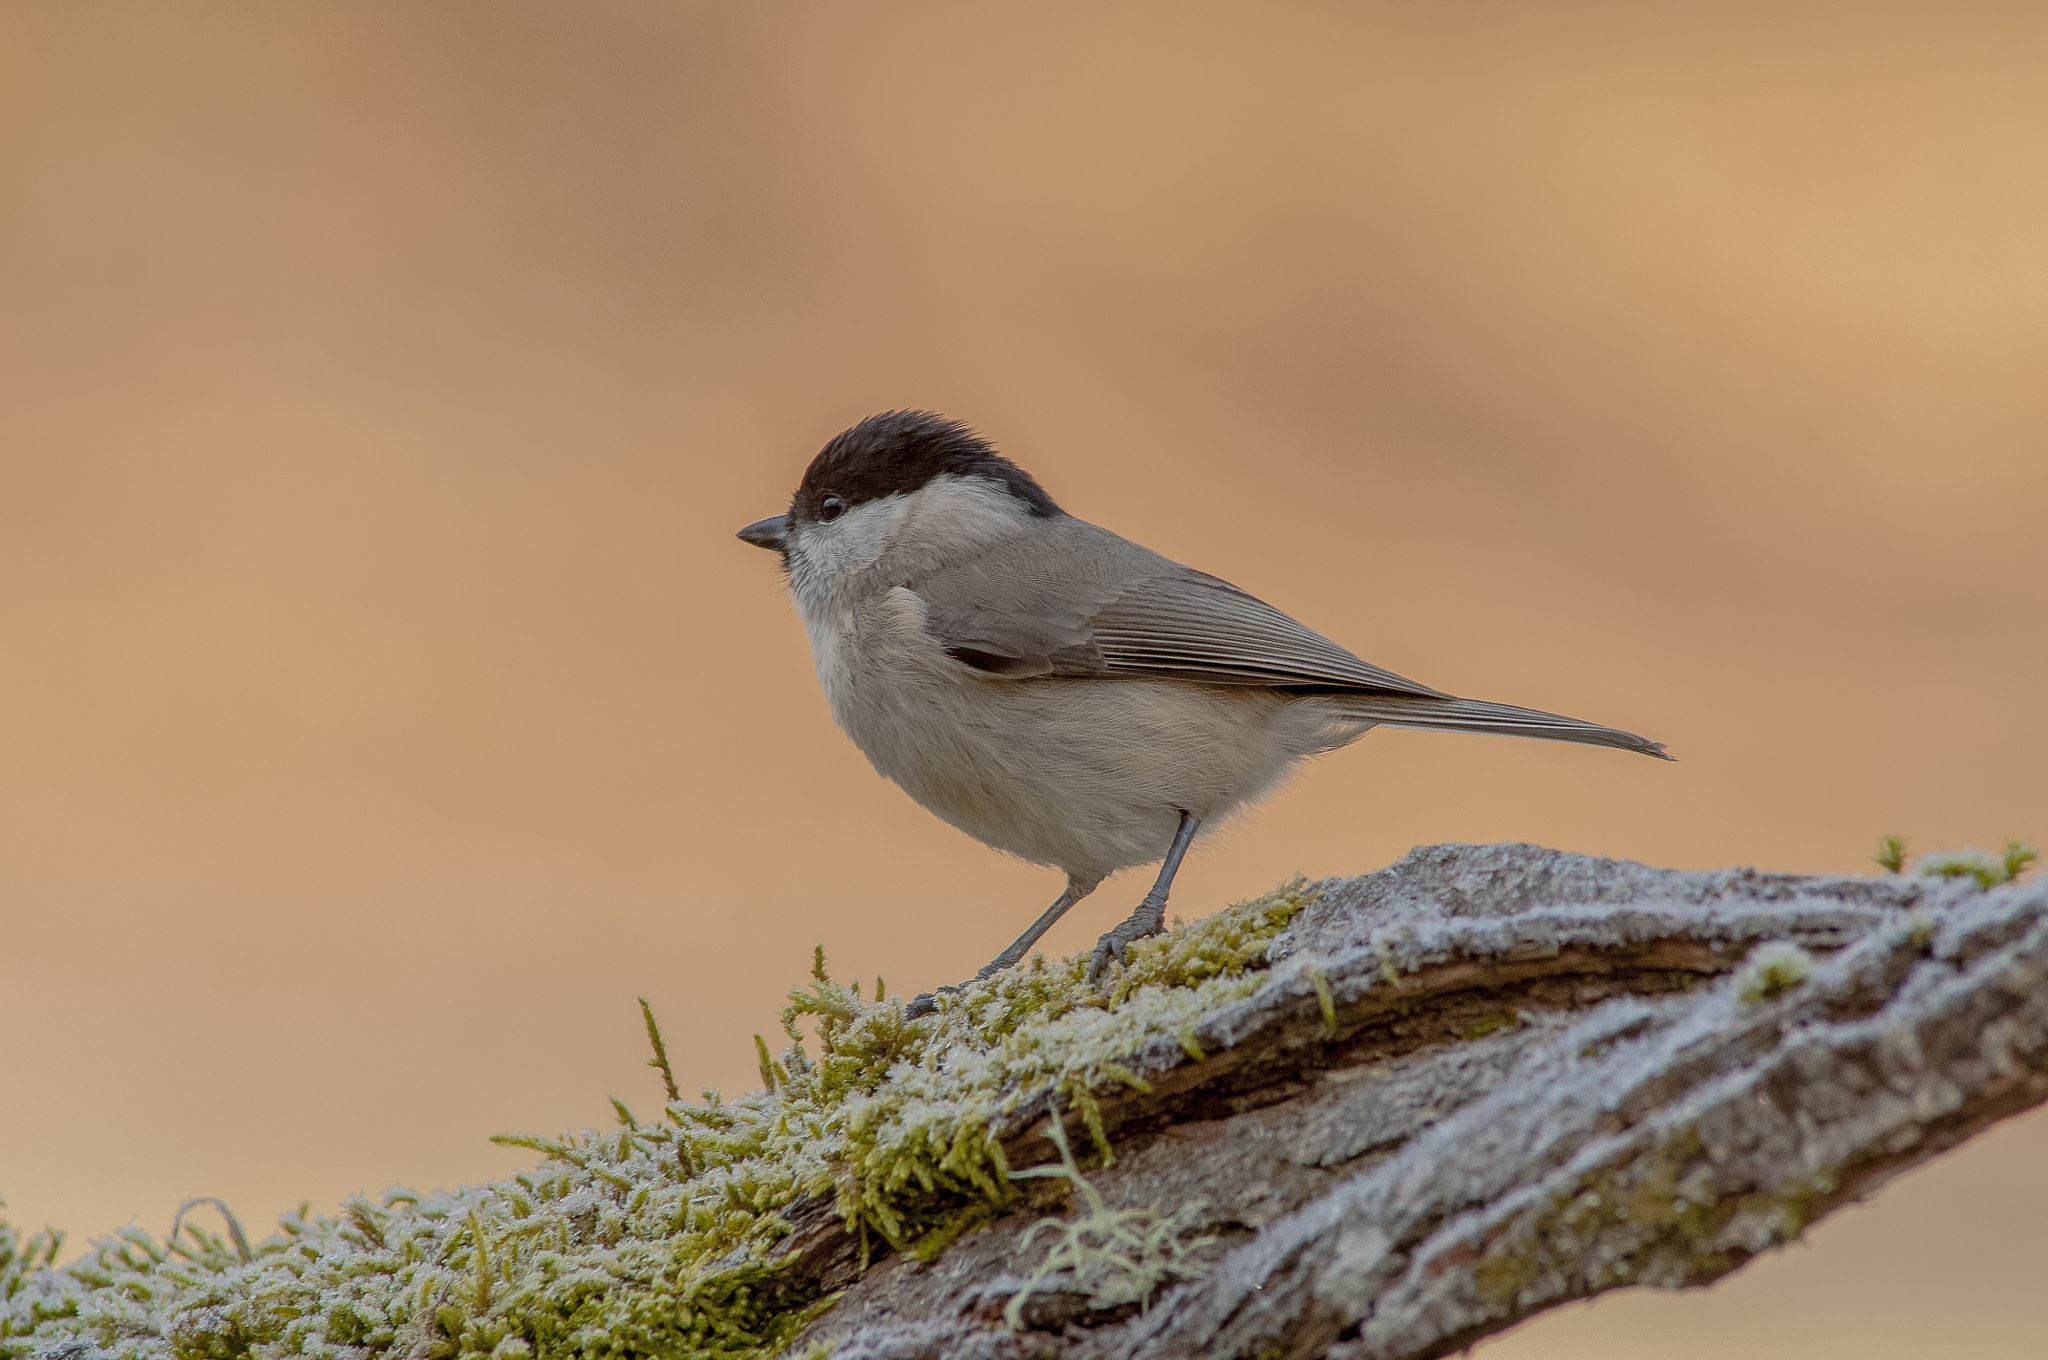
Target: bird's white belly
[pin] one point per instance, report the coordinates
(1089, 775)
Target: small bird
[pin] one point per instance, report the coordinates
(1055, 690)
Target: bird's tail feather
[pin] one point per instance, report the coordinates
(1476, 715)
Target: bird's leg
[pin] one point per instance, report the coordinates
(1077, 888)
(1150, 917)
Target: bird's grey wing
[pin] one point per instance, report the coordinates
(1081, 601)
(1192, 626)
(1199, 628)
(1003, 617)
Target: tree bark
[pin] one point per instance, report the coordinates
(1491, 1080)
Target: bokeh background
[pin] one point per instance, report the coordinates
(385, 702)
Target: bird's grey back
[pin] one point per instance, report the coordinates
(1074, 599)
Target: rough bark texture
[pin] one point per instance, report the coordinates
(1490, 1080)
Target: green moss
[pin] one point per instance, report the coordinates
(918, 1145)
(1988, 869)
(1770, 969)
(1324, 998)
(1797, 1199)
(1658, 1220)
(658, 1238)
(1489, 1024)
(934, 1243)
(1501, 1276)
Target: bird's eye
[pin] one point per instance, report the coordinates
(831, 508)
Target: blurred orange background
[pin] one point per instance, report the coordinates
(385, 702)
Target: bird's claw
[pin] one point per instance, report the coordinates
(1115, 943)
(925, 1003)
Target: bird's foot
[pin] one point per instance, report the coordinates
(928, 1002)
(925, 1003)
(1148, 919)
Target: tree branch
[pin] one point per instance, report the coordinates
(1491, 1080)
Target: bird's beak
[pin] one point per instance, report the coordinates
(772, 533)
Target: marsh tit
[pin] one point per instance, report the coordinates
(1054, 690)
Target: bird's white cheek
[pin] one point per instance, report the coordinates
(851, 543)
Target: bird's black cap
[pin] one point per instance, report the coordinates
(899, 451)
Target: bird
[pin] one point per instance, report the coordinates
(1053, 689)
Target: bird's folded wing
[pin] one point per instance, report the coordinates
(1122, 611)
(1195, 627)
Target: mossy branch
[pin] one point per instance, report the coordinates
(1464, 1036)
(1476, 1084)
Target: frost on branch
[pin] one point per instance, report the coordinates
(1371, 1117)
(1491, 1080)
